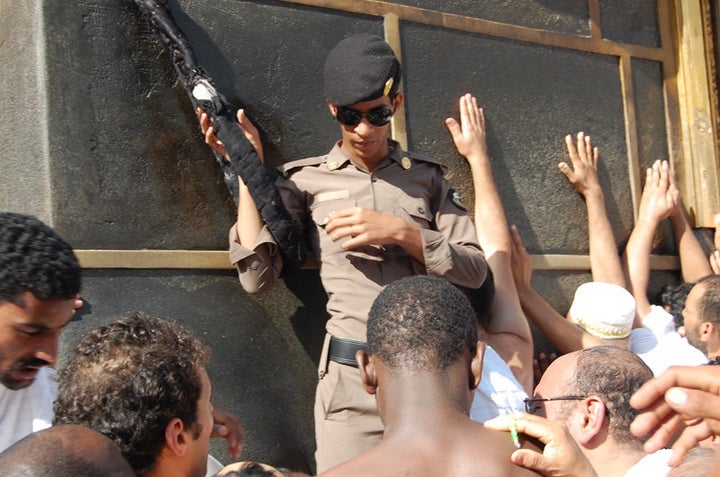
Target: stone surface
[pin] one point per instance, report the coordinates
(103, 144)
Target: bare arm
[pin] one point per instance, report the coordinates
(694, 263)
(562, 333)
(508, 331)
(604, 258)
(657, 201)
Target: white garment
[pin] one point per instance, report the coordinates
(660, 346)
(27, 410)
(499, 392)
(652, 465)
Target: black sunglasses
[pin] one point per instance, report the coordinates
(379, 116)
(532, 404)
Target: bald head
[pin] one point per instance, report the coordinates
(609, 372)
(64, 450)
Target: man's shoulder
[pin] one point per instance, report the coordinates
(291, 167)
(422, 158)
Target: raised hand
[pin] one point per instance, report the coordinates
(660, 195)
(469, 133)
(584, 158)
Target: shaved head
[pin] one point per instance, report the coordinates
(64, 450)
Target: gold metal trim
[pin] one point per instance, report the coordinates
(486, 27)
(219, 260)
(699, 177)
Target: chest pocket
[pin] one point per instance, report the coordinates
(416, 210)
(322, 211)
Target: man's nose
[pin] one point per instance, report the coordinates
(47, 348)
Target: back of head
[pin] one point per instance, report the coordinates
(362, 67)
(250, 469)
(64, 450)
(129, 379)
(672, 297)
(614, 374)
(420, 323)
(604, 310)
(34, 258)
(709, 304)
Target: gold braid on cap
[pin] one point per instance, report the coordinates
(606, 331)
(388, 86)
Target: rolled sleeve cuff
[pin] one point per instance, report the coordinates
(239, 253)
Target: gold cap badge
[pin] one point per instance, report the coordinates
(388, 86)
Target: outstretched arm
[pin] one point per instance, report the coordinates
(249, 221)
(604, 258)
(562, 333)
(658, 200)
(694, 264)
(508, 331)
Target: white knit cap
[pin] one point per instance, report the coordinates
(604, 310)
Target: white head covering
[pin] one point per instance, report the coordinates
(604, 310)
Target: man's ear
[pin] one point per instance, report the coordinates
(592, 417)
(332, 108)
(367, 371)
(175, 437)
(476, 365)
(398, 101)
(707, 331)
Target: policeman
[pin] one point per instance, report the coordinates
(372, 213)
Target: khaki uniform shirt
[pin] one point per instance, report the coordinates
(403, 184)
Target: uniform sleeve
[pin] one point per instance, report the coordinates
(451, 249)
(259, 268)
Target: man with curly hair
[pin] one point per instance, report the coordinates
(39, 282)
(141, 381)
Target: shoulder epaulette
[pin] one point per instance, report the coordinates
(418, 156)
(287, 168)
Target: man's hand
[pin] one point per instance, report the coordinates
(520, 261)
(229, 427)
(660, 195)
(248, 128)
(584, 158)
(367, 227)
(561, 456)
(682, 396)
(469, 134)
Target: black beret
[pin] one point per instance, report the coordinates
(361, 67)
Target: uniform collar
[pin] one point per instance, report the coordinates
(337, 158)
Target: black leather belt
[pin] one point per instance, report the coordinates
(342, 350)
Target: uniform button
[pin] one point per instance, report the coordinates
(373, 178)
(421, 210)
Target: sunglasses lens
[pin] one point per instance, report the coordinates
(379, 116)
(348, 117)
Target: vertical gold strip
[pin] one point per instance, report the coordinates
(631, 136)
(594, 14)
(701, 168)
(676, 147)
(398, 128)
